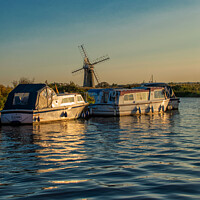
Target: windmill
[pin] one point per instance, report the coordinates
(88, 67)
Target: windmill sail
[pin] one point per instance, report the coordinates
(101, 59)
(77, 70)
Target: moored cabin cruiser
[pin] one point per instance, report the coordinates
(119, 102)
(174, 101)
(30, 103)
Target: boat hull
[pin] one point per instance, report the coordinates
(38, 116)
(128, 109)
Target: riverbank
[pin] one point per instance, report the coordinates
(186, 89)
(180, 89)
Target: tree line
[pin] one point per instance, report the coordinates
(4, 91)
(186, 89)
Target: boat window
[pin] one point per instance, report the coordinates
(46, 98)
(79, 98)
(44, 93)
(48, 93)
(105, 97)
(20, 98)
(68, 100)
(142, 96)
(128, 97)
(159, 94)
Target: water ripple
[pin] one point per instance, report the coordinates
(141, 157)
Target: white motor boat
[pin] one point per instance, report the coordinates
(33, 103)
(119, 102)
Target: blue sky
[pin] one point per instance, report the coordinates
(39, 39)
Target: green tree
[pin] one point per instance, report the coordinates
(4, 91)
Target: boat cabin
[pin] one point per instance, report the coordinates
(117, 102)
(125, 96)
(66, 99)
(168, 89)
(30, 97)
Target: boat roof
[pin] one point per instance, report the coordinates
(23, 88)
(125, 90)
(97, 90)
(68, 94)
(32, 89)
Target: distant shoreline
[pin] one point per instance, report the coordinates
(188, 95)
(186, 89)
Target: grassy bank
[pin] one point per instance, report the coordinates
(186, 89)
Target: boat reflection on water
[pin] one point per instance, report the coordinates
(43, 147)
(164, 120)
(64, 140)
(78, 140)
(31, 134)
(73, 133)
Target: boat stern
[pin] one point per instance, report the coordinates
(173, 104)
(102, 110)
(16, 117)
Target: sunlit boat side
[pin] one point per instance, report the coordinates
(174, 101)
(119, 102)
(33, 103)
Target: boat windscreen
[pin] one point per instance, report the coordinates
(20, 99)
(159, 94)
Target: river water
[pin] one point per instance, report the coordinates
(136, 157)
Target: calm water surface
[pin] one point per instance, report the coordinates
(135, 157)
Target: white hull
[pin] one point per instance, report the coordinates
(38, 116)
(130, 109)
